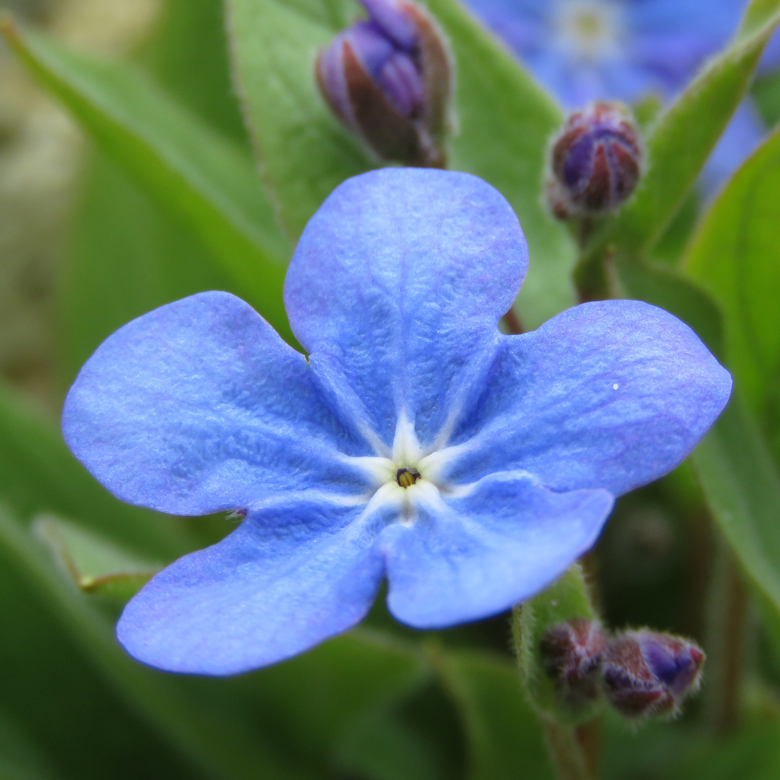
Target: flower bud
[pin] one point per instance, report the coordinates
(571, 654)
(646, 673)
(596, 161)
(389, 79)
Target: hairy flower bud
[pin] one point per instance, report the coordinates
(571, 654)
(596, 161)
(389, 79)
(646, 673)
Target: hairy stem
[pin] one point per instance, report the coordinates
(566, 751)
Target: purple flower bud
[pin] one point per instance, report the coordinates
(388, 79)
(646, 673)
(571, 654)
(596, 161)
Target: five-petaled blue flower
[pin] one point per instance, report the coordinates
(584, 50)
(415, 442)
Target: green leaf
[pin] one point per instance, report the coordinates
(766, 93)
(505, 738)
(96, 564)
(38, 474)
(125, 258)
(504, 119)
(319, 696)
(22, 757)
(734, 257)
(278, 722)
(565, 599)
(383, 747)
(742, 488)
(304, 151)
(683, 137)
(188, 57)
(90, 704)
(197, 175)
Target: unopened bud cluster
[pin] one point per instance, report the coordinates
(388, 78)
(640, 672)
(646, 673)
(596, 162)
(572, 654)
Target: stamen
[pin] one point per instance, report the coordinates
(407, 477)
(589, 29)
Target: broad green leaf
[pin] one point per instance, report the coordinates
(303, 150)
(671, 247)
(188, 57)
(766, 93)
(38, 474)
(193, 172)
(734, 256)
(684, 135)
(383, 747)
(504, 122)
(98, 713)
(742, 488)
(96, 564)
(22, 757)
(318, 697)
(125, 257)
(504, 735)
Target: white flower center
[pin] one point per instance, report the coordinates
(588, 29)
(409, 475)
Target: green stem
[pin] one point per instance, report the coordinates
(513, 323)
(566, 751)
(571, 730)
(592, 277)
(726, 635)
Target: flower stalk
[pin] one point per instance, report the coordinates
(558, 630)
(726, 639)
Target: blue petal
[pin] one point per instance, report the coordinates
(473, 556)
(199, 406)
(396, 287)
(611, 394)
(286, 579)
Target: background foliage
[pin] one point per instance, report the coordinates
(207, 156)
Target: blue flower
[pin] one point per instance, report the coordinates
(584, 50)
(415, 442)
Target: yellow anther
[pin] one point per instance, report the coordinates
(407, 477)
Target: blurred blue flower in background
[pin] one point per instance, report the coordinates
(584, 50)
(415, 442)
